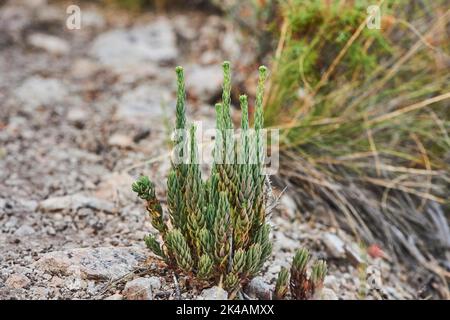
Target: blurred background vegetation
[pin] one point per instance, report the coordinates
(364, 113)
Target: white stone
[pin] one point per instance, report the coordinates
(2, 203)
(24, 231)
(104, 263)
(353, 253)
(75, 202)
(38, 91)
(204, 82)
(120, 140)
(77, 115)
(11, 223)
(155, 42)
(289, 204)
(144, 104)
(335, 246)
(284, 243)
(155, 283)
(214, 293)
(84, 68)
(49, 43)
(92, 19)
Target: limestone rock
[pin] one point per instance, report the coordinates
(75, 202)
(214, 293)
(335, 246)
(152, 43)
(92, 263)
(38, 91)
(49, 43)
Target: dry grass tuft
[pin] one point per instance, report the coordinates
(365, 117)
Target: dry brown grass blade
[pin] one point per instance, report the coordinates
(427, 165)
(373, 148)
(410, 108)
(392, 184)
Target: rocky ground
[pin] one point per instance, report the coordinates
(83, 113)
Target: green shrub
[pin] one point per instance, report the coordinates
(215, 230)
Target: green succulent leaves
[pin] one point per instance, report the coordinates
(215, 230)
(304, 287)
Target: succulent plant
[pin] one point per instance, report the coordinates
(302, 286)
(282, 284)
(215, 230)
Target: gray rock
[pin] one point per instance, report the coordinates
(40, 293)
(259, 289)
(24, 231)
(214, 293)
(152, 43)
(155, 283)
(49, 43)
(13, 20)
(50, 231)
(75, 283)
(141, 288)
(56, 204)
(11, 223)
(28, 205)
(103, 263)
(22, 270)
(284, 243)
(143, 104)
(335, 246)
(92, 19)
(37, 91)
(230, 45)
(289, 204)
(204, 82)
(75, 202)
